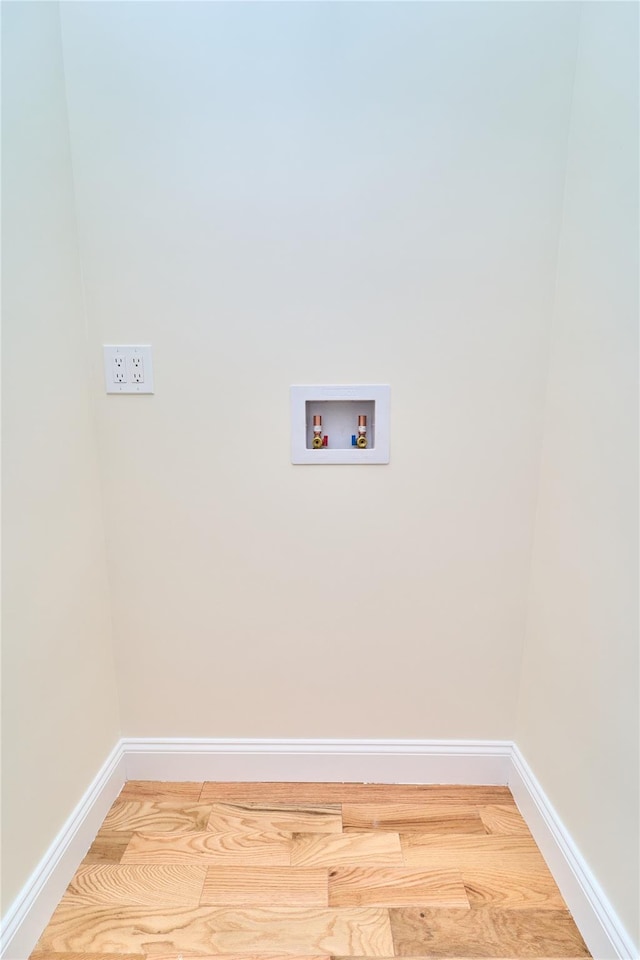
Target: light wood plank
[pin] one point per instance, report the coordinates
(367, 849)
(503, 819)
(227, 956)
(172, 885)
(230, 849)
(353, 793)
(397, 887)
(49, 955)
(156, 790)
(272, 817)
(470, 851)
(265, 886)
(166, 816)
(107, 848)
(404, 817)
(512, 889)
(188, 955)
(305, 931)
(485, 932)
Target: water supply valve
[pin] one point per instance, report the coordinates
(318, 440)
(362, 432)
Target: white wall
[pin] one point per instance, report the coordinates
(59, 714)
(579, 721)
(307, 193)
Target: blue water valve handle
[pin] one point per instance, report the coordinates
(353, 439)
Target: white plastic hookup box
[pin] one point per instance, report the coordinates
(339, 407)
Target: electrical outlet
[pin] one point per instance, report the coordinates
(128, 368)
(119, 369)
(137, 368)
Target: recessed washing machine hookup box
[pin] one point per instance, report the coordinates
(340, 424)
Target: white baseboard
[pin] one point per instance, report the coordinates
(29, 914)
(356, 761)
(596, 919)
(373, 761)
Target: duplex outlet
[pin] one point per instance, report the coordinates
(119, 369)
(137, 369)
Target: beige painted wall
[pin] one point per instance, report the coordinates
(579, 722)
(59, 715)
(307, 193)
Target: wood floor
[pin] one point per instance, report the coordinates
(313, 871)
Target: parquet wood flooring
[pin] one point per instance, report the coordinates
(247, 871)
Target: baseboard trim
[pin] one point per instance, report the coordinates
(30, 912)
(369, 761)
(377, 761)
(596, 919)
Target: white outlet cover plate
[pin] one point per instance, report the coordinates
(128, 351)
(379, 394)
